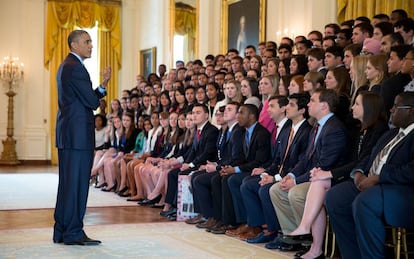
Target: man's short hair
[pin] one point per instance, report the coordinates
(329, 96)
(302, 100)
(281, 100)
(285, 46)
(203, 106)
(317, 53)
(365, 28)
(336, 51)
(74, 36)
(252, 109)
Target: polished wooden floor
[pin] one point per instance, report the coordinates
(18, 219)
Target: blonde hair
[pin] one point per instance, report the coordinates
(359, 64)
(239, 97)
(274, 80)
(379, 62)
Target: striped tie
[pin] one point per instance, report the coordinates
(292, 132)
(315, 132)
(384, 152)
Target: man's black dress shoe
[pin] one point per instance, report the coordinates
(84, 241)
(297, 239)
(275, 244)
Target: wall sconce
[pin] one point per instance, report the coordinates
(11, 72)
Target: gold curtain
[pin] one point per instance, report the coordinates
(350, 9)
(185, 25)
(62, 17)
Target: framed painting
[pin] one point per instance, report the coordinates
(148, 60)
(243, 23)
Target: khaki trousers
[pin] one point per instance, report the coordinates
(289, 206)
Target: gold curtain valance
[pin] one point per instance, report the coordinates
(65, 14)
(350, 9)
(100, 2)
(185, 20)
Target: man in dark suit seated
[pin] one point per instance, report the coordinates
(203, 150)
(279, 136)
(278, 142)
(382, 190)
(255, 191)
(230, 152)
(256, 146)
(326, 149)
(75, 139)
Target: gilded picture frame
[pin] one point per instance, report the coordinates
(148, 60)
(243, 23)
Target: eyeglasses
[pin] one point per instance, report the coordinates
(402, 106)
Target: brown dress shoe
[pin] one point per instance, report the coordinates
(195, 220)
(251, 233)
(207, 224)
(218, 225)
(238, 231)
(220, 229)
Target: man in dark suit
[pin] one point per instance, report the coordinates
(203, 150)
(75, 139)
(327, 144)
(250, 186)
(255, 191)
(230, 152)
(256, 146)
(381, 192)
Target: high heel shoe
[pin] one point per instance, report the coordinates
(150, 202)
(101, 186)
(125, 194)
(110, 189)
(297, 239)
(121, 192)
(93, 180)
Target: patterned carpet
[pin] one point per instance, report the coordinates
(154, 240)
(38, 191)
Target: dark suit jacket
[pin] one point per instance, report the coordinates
(329, 151)
(297, 149)
(77, 100)
(204, 149)
(232, 149)
(396, 179)
(280, 146)
(392, 87)
(259, 149)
